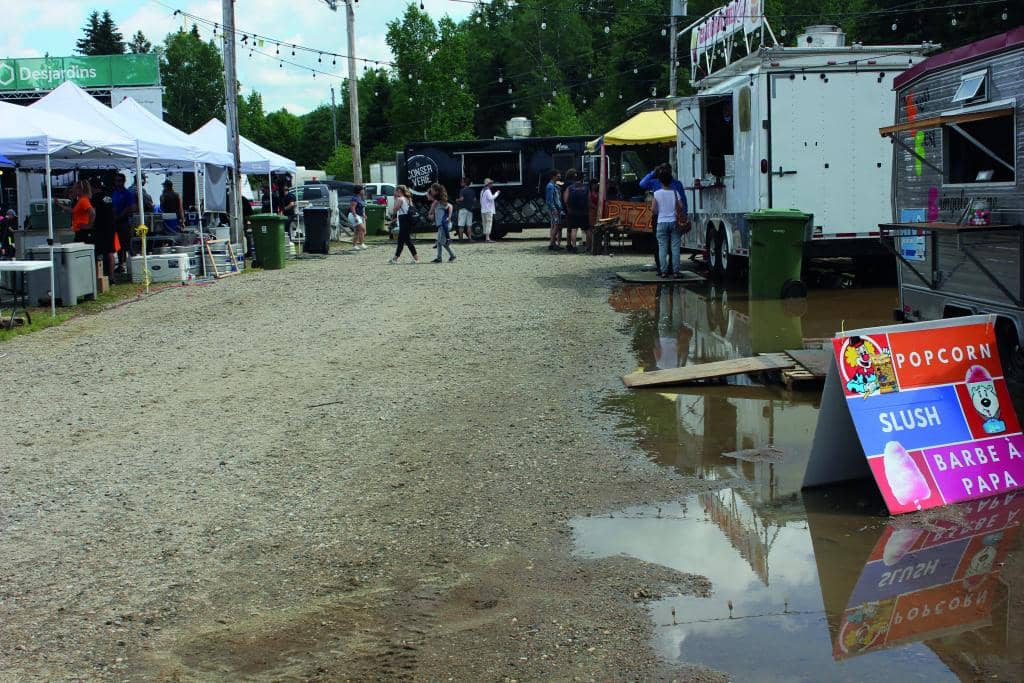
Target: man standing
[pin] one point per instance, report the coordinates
(553, 201)
(170, 205)
(576, 201)
(487, 207)
(124, 202)
(287, 206)
(103, 227)
(467, 205)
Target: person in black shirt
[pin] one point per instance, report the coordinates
(467, 205)
(104, 226)
(287, 207)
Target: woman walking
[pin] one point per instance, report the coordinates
(668, 209)
(357, 217)
(403, 203)
(442, 211)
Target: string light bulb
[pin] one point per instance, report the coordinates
(664, 32)
(320, 59)
(277, 50)
(510, 90)
(894, 26)
(589, 75)
(543, 26)
(953, 21)
(600, 94)
(1004, 14)
(422, 5)
(607, 29)
(636, 70)
(620, 95)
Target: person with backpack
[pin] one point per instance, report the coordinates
(403, 203)
(442, 211)
(576, 200)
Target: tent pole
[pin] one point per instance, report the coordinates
(270, 189)
(49, 227)
(602, 191)
(142, 215)
(199, 209)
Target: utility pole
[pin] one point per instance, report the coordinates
(353, 95)
(353, 87)
(679, 8)
(231, 109)
(334, 118)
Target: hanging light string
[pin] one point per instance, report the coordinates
(253, 37)
(906, 8)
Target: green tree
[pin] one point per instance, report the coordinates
(340, 163)
(316, 142)
(560, 118)
(284, 134)
(102, 36)
(139, 44)
(192, 73)
(252, 122)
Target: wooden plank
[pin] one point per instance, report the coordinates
(694, 373)
(652, 277)
(812, 360)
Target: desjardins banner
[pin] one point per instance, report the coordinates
(46, 73)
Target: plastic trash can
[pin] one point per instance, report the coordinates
(777, 253)
(317, 220)
(268, 234)
(375, 215)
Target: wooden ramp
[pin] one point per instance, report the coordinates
(704, 371)
(652, 277)
(811, 368)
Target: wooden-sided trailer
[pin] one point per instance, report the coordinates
(958, 188)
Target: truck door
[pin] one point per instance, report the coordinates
(688, 160)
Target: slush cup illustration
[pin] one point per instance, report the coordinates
(907, 483)
(984, 398)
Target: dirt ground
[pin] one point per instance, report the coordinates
(340, 471)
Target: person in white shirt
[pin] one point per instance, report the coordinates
(667, 208)
(487, 197)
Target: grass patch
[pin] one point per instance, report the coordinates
(42, 320)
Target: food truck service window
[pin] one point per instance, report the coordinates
(980, 151)
(503, 167)
(717, 115)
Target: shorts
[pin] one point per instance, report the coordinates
(465, 218)
(554, 216)
(355, 220)
(577, 221)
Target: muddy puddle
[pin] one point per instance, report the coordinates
(807, 586)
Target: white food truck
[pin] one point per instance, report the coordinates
(783, 127)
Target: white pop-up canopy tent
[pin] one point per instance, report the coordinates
(133, 116)
(253, 158)
(35, 138)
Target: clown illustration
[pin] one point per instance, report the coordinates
(982, 391)
(869, 369)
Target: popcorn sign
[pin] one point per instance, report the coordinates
(930, 410)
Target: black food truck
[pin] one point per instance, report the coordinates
(519, 167)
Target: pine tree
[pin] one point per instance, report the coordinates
(139, 44)
(102, 36)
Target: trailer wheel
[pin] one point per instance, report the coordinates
(1010, 352)
(476, 230)
(721, 252)
(709, 247)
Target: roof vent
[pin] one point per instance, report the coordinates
(822, 35)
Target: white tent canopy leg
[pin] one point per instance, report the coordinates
(142, 214)
(199, 210)
(49, 226)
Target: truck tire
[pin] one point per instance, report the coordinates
(709, 247)
(721, 252)
(1010, 352)
(477, 231)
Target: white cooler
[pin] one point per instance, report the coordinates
(163, 268)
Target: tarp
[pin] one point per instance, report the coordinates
(656, 127)
(28, 134)
(70, 100)
(133, 116)
(254, 159)
(4, 161)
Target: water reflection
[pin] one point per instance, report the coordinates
(807, 585)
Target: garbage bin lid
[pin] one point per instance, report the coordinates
(267, 218)
(774, 214)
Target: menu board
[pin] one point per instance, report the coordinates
(930, 410)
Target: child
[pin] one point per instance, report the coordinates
(442, 211)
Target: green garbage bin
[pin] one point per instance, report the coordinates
(268, 234)
(776, 253)
(375, 214)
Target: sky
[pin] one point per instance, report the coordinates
(52, 27)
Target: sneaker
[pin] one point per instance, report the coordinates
(437, 260)
(571, 250)
(392, 261)
(451, 258)
(363, 247)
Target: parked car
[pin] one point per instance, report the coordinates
(380, 193)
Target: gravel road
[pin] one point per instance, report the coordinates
(340, 471)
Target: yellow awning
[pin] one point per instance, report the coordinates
(657, 127)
